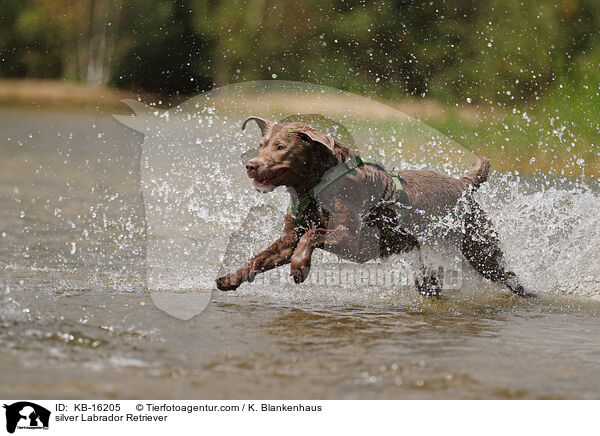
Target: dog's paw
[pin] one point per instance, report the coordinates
(299, 267)
(227, 283)
(521, 292)
(299, 274)
(431, 285)
(299, 271)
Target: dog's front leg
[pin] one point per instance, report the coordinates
(277, 254)
(313, 238)
(338, 237)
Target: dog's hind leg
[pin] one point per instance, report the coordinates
(428, 282)
(481, 248)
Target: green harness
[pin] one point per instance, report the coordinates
(298, 209)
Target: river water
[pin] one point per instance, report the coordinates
(77, 319)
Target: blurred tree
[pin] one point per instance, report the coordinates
(30, 45)
(74, 39)
(164, 52)
(504, 51)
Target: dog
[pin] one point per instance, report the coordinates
(361, 211)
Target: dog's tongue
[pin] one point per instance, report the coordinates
(269, 184)
(262, 186)
(258, 184)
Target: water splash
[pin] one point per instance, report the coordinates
(203, 217)
(550, 231)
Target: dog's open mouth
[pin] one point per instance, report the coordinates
(270, 181)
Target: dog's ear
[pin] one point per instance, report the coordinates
(316, 136)
(263, 124)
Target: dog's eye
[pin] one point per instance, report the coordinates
(279, 147)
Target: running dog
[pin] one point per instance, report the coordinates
(358, 210)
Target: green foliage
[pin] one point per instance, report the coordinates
(500, 51)
(522, 47)
(30, 44)
(161, 52)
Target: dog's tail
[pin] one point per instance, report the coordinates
(478, 174)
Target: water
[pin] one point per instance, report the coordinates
(77, 320)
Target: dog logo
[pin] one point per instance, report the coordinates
(26, 415)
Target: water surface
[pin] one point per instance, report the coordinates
(77, 321)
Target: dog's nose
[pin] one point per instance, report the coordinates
(252, 165)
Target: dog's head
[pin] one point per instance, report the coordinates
(289, 154)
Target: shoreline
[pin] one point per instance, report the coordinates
(55, 94)
(458, 123)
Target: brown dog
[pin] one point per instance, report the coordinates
(363, 212)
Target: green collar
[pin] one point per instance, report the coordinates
(298, 209)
